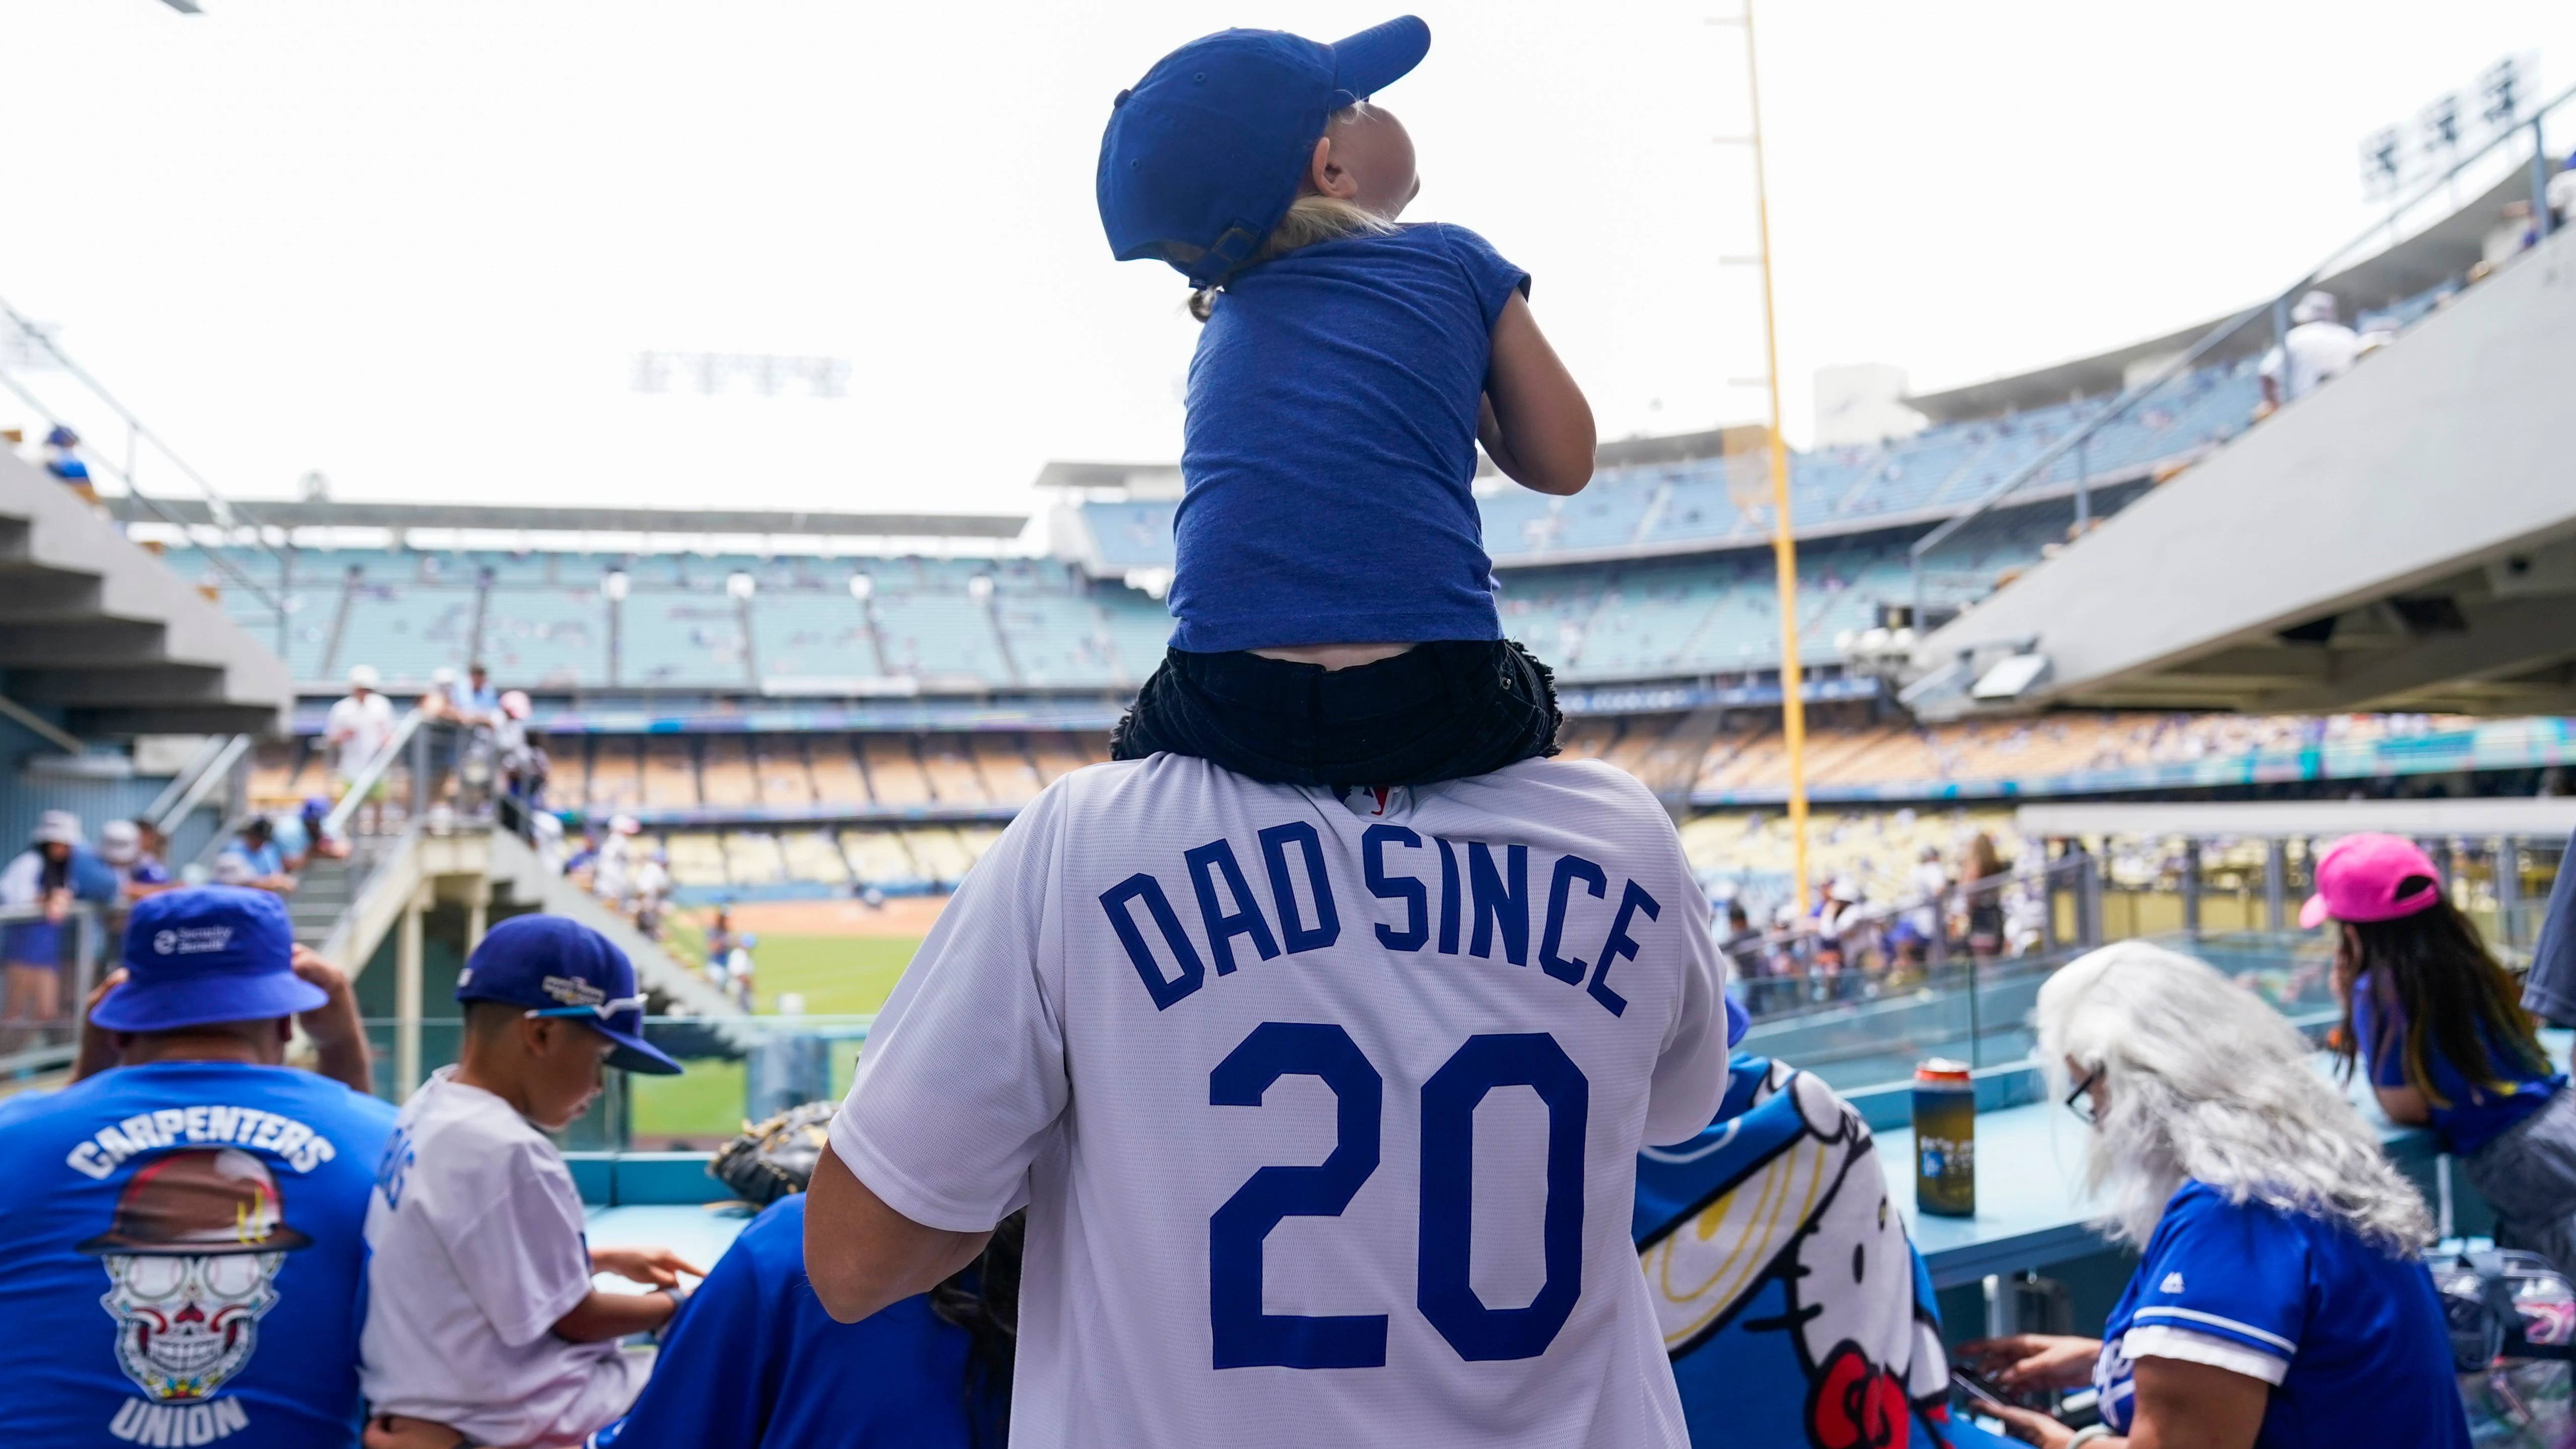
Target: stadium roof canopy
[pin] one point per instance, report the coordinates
(505, 517)
(2438, 254)
(2402, 539)
(97, 629)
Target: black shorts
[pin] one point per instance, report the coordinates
(1439, 711)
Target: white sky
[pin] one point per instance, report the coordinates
(414, 245)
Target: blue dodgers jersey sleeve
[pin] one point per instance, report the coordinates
(186, 1258)
(754, 1360)
(2474, 1116)
(2366, 1356)
(1330, 446)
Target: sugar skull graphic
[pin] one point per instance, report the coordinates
(190, 1259)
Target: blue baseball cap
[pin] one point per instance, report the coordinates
(1203, 156)
(205, 954)
(558, 967)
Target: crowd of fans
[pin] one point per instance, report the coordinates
(1854, 944)
(2284, 1262)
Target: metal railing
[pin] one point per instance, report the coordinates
(188, 789)
(226, 513)
(2277, 308)
(29, 1047)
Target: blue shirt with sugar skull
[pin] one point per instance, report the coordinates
(186, 1264)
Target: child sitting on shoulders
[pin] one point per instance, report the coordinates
(482, 1325)
(1334, 602)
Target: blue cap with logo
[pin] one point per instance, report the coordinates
(1203, 156)
(204, 954)
(558, 967)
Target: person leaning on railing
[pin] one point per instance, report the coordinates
(41, 886)
(2279, 1297)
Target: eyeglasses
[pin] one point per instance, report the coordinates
(601, 1009)
(2080, 1101)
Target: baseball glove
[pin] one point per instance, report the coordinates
(774, 1158)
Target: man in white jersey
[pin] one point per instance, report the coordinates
(1325, 1109)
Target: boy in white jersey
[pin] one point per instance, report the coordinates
(1324, 1105)
(482, 1324)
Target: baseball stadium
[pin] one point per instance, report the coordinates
(1966, 692)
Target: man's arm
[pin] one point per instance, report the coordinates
(339, 1039)
(97, 1050)
(861, 1255)
(1534, 421)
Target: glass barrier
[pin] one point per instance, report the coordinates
(735, 1069)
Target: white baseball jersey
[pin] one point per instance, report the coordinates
(1326, 1121)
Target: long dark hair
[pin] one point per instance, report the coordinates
(2432, 971)
(983, 1298)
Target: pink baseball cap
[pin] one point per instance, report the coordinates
(2366, 878)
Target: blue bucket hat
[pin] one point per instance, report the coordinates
(1203, 156)
(204, 954)
(557, 967)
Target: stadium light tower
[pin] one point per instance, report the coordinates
(1784, 543)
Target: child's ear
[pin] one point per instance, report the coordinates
(1327, 177)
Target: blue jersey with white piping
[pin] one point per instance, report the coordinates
(2351, 1338)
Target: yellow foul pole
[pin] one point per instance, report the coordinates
(1784, 546)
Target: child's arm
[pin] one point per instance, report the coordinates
(1534, 423)
(615, 1315)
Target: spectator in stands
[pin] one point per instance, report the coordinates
(1981, 889)
(440, 701)
(138, 872)
(42, 883)
(480, 702)
(311, 832)
(1307, 652)
(652, 888)
(2278, 1298)
(1926, 886)
(522, 755)
(63, 460)
(251, 858)
(753, 1362)
(357, 729)
(2433, 1020)
(584, 859)
(2561, 195)
(132, 848)
(612, 877)
(182, 1222)
(2317, 350)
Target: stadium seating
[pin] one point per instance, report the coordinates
(895, 776)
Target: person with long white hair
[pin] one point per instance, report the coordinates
(2279, 1296)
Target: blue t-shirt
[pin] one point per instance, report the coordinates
(39, 942)
(2476, 1116)
(186, 1263)
(1330, 444)
(2362, 1333)
(754, 1360)
(264, 860)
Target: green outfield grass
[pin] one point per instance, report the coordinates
(837, 975)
